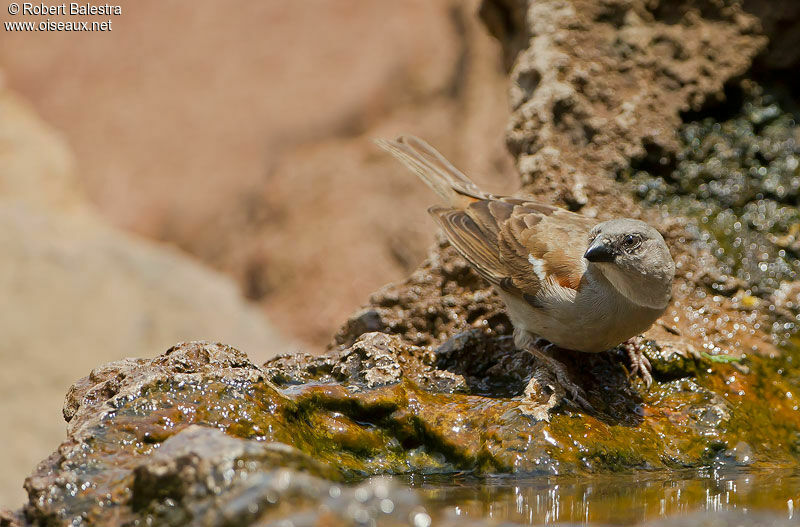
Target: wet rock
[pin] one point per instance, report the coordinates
(200, 434)
(201, 476)
(200, 463)
(739, 455)
(375, 359)
(786, 302)
(669, 361)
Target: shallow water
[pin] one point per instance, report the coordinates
(747, 497)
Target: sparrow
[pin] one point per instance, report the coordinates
(574, 281)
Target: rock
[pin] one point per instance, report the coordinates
(200, 463)
(441, 298)
(786, 299)
(204, 477)
(599, 83)
(78, 293)
(374, 360)
(145, 437)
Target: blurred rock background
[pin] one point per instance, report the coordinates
(205, 171)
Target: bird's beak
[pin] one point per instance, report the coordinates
(599, 252)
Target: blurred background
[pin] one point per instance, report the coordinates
(205, 170)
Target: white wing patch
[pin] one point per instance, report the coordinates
(538, 267)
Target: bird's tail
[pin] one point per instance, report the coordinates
(437, 172)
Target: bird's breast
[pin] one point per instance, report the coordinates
(592, 319)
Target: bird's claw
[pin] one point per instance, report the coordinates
(640, 365)
(559, 371)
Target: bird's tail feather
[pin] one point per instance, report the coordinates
(437, 172)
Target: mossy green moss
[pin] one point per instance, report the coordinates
(400, 428)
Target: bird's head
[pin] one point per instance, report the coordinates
(633, 256)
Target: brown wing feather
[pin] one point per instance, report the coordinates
(489, 214)
(561, 266)
(434, 169)
(561, 260)
(498, 234)
(477, 245)
(554, 236)
(514, 255)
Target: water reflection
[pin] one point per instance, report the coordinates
(612, 500)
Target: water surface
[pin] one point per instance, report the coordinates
(757, 497)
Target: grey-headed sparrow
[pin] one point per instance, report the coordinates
(569, 279)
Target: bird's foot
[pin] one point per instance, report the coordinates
(640, 365)
(559, 371)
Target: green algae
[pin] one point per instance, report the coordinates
(721, 358)
(402, 428)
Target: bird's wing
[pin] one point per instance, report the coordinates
(476, 242)
(515, 244)
(540, 243)
(518, 244)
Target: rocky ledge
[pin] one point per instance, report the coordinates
(201, 435)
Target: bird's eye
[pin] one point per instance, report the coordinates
(631, 241)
